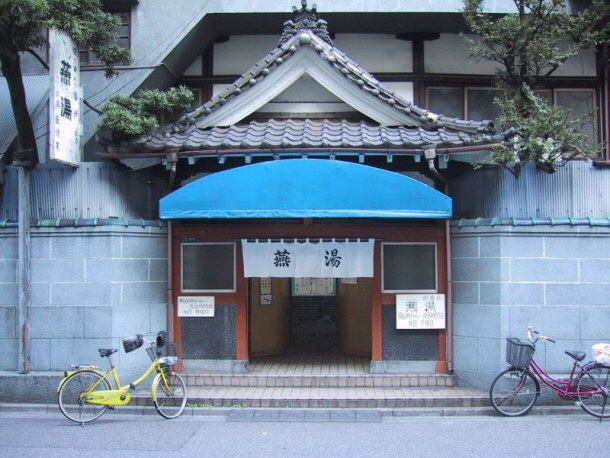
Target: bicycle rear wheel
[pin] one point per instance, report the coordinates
(71, 396)
(513, 392)
(594, 391)
(169, 399)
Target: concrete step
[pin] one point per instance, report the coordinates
(319, 381)
(325, 391)
(329, 397)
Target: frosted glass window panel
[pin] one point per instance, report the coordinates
(448, 101)
(208, 267)
(409, 267)
(480, 104)
(581, 102)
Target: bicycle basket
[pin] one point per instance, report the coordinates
(518, 353)
(133, 343)
(167, 353)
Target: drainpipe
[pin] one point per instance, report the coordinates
(430, 155)
(607, 109)
(171, 161)
(170, 287)
(449, 295)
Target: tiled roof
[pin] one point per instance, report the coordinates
(360, 78)
(422, 127)
(313, 133)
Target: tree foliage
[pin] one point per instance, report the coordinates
(23, 29)
(141, 115)
(528, 46)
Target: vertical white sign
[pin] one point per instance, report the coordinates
(420, 311)
(65, 128)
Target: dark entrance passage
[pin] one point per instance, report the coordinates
(287, 319)
(314, 324)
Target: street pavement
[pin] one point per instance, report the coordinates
(301, 433)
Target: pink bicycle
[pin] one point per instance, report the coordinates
(515, 390)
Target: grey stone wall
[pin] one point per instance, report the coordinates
(554, 278)
(90, 286)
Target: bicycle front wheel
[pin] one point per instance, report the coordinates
(513, 392)
(169, 399)
(71, 396)
(594, 391)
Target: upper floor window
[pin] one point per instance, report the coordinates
(89, 57)
(476, 103)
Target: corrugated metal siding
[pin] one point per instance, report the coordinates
(576, 190)
(102, 190)
(92, 190)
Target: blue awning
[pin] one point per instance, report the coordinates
(305, 188)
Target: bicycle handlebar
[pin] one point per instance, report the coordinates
(530, 335)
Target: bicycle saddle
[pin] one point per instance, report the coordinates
(104, 352)
(577, 355)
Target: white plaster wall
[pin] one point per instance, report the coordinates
(375, 53)
(448, 54)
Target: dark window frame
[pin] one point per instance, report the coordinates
(400, 291)
(233, 289)
(553, 90)
(86, 54)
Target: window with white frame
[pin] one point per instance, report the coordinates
(409, 267)
(208, 267)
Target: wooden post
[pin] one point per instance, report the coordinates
(23, 256)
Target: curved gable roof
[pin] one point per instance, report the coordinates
(305, 47)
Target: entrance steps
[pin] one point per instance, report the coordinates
(329, 391)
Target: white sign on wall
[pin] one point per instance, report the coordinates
(196, 306)
(420, 311)
(65, 128)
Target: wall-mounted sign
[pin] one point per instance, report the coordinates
(313, 287)
(265, 285)
(197, 306)
(65, 126)
(420, 311)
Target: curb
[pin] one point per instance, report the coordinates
(296, 414)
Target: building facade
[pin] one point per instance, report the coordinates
(294, 146)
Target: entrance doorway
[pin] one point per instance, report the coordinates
(309, 316)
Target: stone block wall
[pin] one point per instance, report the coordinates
(504, 278)
(90, 286)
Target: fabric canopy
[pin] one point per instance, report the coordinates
(305, 188)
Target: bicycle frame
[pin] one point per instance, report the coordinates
(121, 395)
(565, 387)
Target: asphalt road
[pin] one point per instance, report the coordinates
(117, 435)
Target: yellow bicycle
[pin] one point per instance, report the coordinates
(86, 392)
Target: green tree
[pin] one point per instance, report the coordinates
(528, 46)
(23, 29)
(132, 116)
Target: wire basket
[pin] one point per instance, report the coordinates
(519, 353)
(167, 350)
